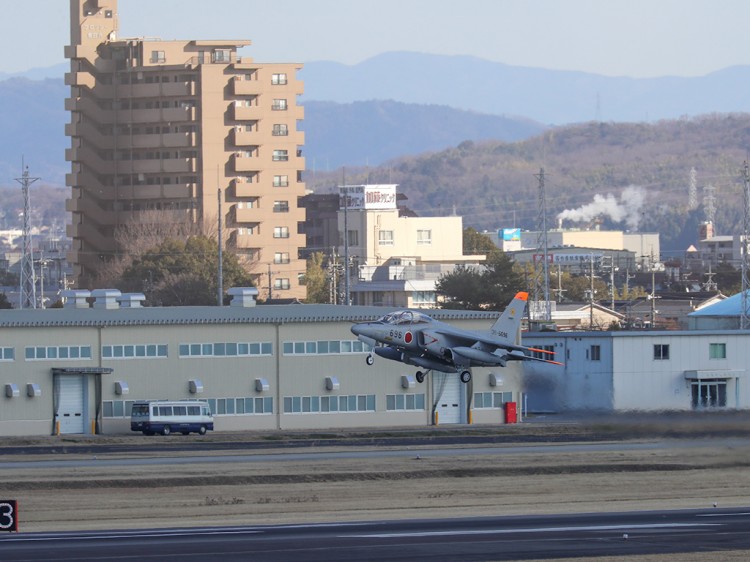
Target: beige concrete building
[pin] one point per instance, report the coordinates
(178, 126)
(398, 258)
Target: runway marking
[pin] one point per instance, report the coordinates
(533, 530)
(125, 535)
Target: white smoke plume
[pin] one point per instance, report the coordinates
(627, 209)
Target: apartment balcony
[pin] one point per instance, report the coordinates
(241, 87)
(84, 79)
(157, 115)
(242, 137)
(154, 166)
(243, 240)
(168, 191)
(245, 113)
(245, 188)
(244, 163)
(165, 140)
(157, 89)
(245, 215)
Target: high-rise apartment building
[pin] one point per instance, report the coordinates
(175, 126)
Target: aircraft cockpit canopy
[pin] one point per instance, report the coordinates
(405, 317)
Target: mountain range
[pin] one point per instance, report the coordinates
(460, 132)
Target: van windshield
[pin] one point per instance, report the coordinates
(139, 411)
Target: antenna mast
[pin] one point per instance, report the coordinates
(28, 278)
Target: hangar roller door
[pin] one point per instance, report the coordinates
(450, 401)
(70, 411)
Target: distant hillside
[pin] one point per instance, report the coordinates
(371, 132)
(32, 125)
(630, 176)
(547, 96)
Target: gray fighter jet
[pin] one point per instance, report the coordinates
(416, 339)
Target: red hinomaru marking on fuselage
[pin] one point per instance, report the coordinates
(407, 337)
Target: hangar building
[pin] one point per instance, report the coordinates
(79, 369)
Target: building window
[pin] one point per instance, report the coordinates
(424, 298)
(424, 236)
(280, 181)
(399, 402)
(281, 232)
(158, 56)
(661, 351)
(281, 257)
(717, 351)
(222, 55)
(281, 206)
(280, 130)
(142, 351)
(279, 105)
(278, 79)
(280, 155)
(353, 238)
(58, 353)
(225, 349)
(491, 399)
(595, 353)
(281, 283)
(385, 238)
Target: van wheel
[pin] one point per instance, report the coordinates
(202, 430)
(167, 430)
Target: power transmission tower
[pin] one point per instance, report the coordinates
(541, 281)
(709, 203)
(28, 279)
(744, 314)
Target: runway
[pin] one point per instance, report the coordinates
(466, 539)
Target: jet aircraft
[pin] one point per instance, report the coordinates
(417, 339)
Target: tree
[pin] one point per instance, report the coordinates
(476, 243)
(183, 273)
(315, 279)
(491, 286)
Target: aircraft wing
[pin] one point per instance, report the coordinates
(464, 342)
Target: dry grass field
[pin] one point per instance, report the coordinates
(706, 461)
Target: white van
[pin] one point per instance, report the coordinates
(160, 416)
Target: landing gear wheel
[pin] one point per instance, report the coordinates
(465, 376)
(369, 360)
(420, 377)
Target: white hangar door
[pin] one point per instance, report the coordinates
(450, 401)
(70, 411)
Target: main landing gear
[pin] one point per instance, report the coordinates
(420, 376)
(370, 359)
(465, 376)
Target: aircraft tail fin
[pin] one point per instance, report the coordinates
(508, 324)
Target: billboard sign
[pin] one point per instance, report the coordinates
(367, 197)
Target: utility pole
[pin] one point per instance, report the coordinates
(744, 313)
(28, 278)
(347, 302)
(220, 296)
(542, 285)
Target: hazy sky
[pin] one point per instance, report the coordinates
(639, 38)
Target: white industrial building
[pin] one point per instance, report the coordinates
(79, 369)
(640, 370)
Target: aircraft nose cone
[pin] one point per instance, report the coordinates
(356, 329)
